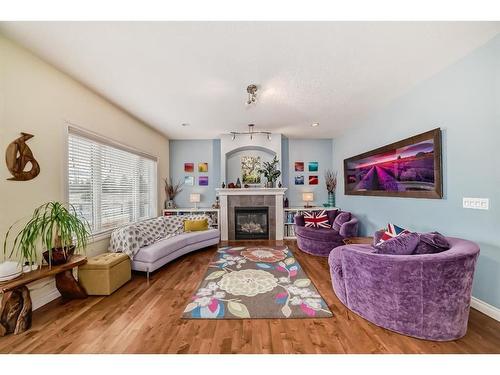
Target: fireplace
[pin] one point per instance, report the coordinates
(251, 223)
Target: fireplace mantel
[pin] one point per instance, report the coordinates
(251, 191)
(275, 194)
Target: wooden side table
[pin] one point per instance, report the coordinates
(358, 240)
(15, 306)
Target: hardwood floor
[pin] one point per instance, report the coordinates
(142, 318)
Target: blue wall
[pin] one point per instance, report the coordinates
(306, 150)
(195, 151)
(464, 101)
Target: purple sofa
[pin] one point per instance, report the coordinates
(319, 241)
(425, 296)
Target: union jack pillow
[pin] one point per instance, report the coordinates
(316, 219)
(391, 232)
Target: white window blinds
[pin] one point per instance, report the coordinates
(109, 185)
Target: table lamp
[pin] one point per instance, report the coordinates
(194, 198)
(307, 197)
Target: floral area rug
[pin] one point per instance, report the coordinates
(255, 282)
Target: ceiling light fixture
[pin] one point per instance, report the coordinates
(314, 124)
(250, 132)
(252, 94)
(184, 124)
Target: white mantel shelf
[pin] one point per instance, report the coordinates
(251, 191)
(276, 192)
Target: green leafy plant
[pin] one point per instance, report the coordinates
(270, 170)
(54, 226)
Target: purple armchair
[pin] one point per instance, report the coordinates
(319, 241)
(425, 296)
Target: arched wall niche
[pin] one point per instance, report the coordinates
(232, 150)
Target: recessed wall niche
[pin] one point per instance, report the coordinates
(233, 150)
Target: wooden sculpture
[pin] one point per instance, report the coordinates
(15, 311)
(17, 156)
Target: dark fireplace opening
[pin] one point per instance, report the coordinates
(251, 223)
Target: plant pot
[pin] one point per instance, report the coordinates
(59, 256)
(331, 199)
(269, 184)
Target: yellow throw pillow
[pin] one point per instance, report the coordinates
(195, 225)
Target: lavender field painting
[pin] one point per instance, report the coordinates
(397, 171)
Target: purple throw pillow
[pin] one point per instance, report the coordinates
(377, 236)
(431, 243)
(404, 244)
(341, 218)
(332, 214)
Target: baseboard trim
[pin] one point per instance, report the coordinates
(43, 291)
(46, 298)
(485, 308)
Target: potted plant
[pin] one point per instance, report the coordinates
(171, 190)
(331, 186)
(270, 171)
(57, 228)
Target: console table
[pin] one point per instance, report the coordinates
(15, 306)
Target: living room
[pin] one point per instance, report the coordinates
(244, 187)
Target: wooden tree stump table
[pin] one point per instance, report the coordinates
(16, 307)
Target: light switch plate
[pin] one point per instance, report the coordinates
(476, 203)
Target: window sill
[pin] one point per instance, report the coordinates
(100, 236)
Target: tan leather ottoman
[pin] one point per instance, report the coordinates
(105, 273)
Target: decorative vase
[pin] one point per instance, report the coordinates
(169, 204)
(238, 183)
(331, 199)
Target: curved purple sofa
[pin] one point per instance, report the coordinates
(319, 241)
(425, 296)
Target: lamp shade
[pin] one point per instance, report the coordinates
(194, 198)
(307, 197)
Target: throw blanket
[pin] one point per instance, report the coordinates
(129, 239)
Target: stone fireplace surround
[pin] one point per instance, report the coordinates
(251, 197)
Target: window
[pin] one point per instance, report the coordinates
(108, 184)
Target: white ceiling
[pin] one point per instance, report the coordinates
(169, 73)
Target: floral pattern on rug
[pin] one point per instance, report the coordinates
(255, 282)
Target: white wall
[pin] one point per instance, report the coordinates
(37, 98)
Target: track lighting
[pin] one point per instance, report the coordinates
(250, 132)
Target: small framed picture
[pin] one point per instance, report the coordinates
(189, 180)
(189, 167)
(313, 180)
(313, 166)
(299, 180)
(202, 167)
(299, 166)
(203, 180)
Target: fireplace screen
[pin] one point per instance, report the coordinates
(251, 223)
